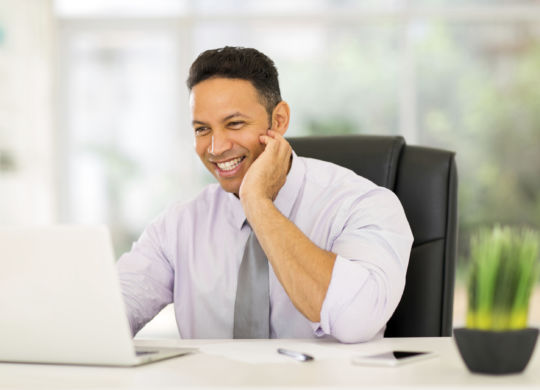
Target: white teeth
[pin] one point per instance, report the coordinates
(229, 165)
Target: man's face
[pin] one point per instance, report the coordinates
(227, 119)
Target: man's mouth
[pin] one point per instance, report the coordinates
(227, 166)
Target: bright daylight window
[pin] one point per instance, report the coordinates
(457, 75)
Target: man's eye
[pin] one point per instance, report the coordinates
(201, 130)
(236, 124)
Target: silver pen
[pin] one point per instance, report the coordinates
(302, 357)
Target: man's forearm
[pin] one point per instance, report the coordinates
(303, 268)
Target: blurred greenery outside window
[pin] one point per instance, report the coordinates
(471, 86)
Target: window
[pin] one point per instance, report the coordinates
(456, 75)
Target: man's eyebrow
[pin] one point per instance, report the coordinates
(225, 119)
(238, 113)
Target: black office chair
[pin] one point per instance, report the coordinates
(425, 180)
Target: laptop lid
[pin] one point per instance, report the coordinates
(60, 300)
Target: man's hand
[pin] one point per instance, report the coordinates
(268, 173)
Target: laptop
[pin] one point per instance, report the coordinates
(60, 300)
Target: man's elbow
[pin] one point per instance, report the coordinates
(350, 330)
(366, 318)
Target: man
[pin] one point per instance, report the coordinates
(336, 245)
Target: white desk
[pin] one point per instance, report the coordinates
(215, 371)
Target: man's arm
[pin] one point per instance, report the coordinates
(146, 278)
(353, 290)
(303, 268)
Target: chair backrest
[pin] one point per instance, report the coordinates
(425, 180)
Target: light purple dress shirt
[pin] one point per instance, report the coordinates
(191, 254)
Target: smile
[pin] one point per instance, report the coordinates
(230, 165)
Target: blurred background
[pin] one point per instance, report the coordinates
(95, 127)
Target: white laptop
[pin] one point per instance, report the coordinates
(60, 300)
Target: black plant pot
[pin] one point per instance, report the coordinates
(496, 352)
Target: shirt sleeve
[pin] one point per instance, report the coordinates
(146, 278)
(368, 277)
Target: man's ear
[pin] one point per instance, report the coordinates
(280, 117)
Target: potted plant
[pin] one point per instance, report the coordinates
(504, 269)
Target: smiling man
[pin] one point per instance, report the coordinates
(282, 246)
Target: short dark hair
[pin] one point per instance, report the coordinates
(239, 63)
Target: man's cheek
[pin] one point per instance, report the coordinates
(260, 151)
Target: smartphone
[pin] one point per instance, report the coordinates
(392, 358)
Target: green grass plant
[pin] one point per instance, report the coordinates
(504, 269)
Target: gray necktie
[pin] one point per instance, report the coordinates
(252, 307)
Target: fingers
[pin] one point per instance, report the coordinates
(276, 140)
(270, 134)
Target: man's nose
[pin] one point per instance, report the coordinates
(220, 143)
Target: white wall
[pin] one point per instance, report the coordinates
(27, 193)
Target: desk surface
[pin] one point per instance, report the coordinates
(212, 369)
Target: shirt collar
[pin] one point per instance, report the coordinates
(285, 200)
(235, 210)
(289, 192)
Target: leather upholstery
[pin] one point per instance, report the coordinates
(425, 180)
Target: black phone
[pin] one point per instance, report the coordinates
(392, 358)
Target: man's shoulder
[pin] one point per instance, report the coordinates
(185, 211)
(334, 186)
(331, 188)
(209, 195)
(329, 175)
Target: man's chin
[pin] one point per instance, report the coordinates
(233, 188)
